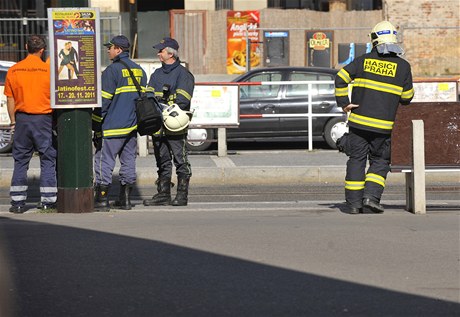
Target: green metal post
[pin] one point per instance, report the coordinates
(74, 163)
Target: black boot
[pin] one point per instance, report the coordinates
(101, 198)
(182, 192)
(373, 205)
(124, 198)
(164, 193)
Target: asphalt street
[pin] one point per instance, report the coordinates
(231, 258)
(265, 234)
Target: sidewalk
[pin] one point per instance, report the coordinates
(250, 167)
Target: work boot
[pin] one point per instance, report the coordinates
(124, 198)
(354, 210)
(163, 197)
(101, 198)
(182, 192)
(373, 205)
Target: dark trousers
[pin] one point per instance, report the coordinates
(363, 146)
(33, 133)
(167, 148)
(106, 154)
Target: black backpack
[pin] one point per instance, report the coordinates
(148, 110)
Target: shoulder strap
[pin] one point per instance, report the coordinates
(138, 87)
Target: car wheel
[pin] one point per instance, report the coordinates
(333, 130)
(199, 139)
(6, 140)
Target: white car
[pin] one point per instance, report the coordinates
(6, 140)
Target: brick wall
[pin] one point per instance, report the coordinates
(430, 33)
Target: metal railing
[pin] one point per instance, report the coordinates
(14, 33)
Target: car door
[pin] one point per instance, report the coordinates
(255, 102)
(295, 101)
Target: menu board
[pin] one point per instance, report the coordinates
(215, 105)
(74, 59)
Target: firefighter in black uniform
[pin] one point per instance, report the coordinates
(173, 85)
(381, 81)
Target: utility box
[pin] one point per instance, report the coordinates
(276, 48)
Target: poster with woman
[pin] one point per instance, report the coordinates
(74, 57)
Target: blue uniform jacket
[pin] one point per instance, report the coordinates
(180, 80)
(117, 114)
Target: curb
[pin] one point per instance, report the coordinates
(256, 175)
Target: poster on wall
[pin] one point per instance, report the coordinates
(319, 48)
(237, 24)
(74, 59)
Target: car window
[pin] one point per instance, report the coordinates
(301, 90)
(259, 91)
(2, 77)
(326, 89)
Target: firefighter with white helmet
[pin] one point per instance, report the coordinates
(381, 81)
(173, 85)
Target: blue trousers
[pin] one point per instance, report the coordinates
(106, 154)
(33, 133)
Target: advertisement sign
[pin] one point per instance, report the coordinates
(319, 48)
(238, 22)
(435, 91)
(74, 59)
(215, 105)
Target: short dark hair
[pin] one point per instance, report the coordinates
(35, 43)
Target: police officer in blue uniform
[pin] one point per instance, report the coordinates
(381, 81)
(115, 126)
(172, 83)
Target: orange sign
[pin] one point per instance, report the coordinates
(238, 23)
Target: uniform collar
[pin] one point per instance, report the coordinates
(120, 56)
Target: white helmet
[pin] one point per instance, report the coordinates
(383, 33)
(175, 119)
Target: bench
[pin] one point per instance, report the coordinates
(425, 138)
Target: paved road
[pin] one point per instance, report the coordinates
(233, 258)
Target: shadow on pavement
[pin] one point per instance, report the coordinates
(65, 271)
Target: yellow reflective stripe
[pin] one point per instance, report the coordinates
(150, 89)
(344, 75)
(407, 94)
(106, 95)
(377, 85)
(123, 89)
(371, 177)
(184, 93)
(341, 92)
(96, 118)
(354, 185)
(116, 132)
(158, 93)
(371, 122)
(136, 72)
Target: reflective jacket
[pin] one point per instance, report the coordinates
(380, 83)
(181, 84)
(117, 114)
